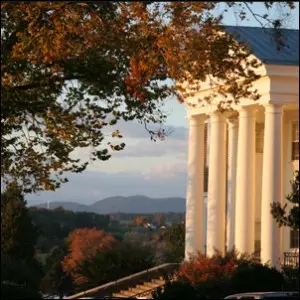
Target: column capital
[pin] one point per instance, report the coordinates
(247, 111)
(197, 120)
(274, 108)
(217, 116)
(232, 121)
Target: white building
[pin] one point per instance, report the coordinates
(252, 154)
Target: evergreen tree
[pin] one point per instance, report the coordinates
(18, 234)
(20, 272)
(56, 281)
(279, 213)
(175, 240)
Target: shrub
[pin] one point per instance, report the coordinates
(218, 276)
(175, 290)
(291, 278)
(255, 277)
(202, 268)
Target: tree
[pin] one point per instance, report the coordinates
(175, 241)
(84, 244)
(123, 260)
(159, 219)
(56, 281)
(133, 237)
(20, 272)
(71, 71)
(18, 234)
(279, 213)
(140, 220)
(55, 225)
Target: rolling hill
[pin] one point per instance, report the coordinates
(131, 204)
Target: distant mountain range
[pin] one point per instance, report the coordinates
(131, 204)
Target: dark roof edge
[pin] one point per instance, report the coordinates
(282, 62)
(258, 27)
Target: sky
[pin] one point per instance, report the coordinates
(154, 169)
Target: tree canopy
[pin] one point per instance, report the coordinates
(84, 244)
(69, 71)
(123, 260)
(55, 225)
(175, 241)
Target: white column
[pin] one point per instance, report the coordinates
(271, 184)
(231, 180)
(216, 202)
(195, 185)
(245, 188)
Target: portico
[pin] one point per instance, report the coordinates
(250, 165)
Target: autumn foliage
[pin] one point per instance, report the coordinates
(219, 276)
(140, 220)
(202, 268)
(70, 70)
(84, 244)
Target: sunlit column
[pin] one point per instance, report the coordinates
(231, 180)
(194, 224)
(216, 202)
(271, 184)
(245, 187)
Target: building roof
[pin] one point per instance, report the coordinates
(261, 41)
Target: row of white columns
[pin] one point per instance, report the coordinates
(240, 214)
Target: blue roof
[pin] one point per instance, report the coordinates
(261, 41)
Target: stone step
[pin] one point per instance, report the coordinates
(119, 295)
(128, 293)
(144, 297)
(140, 288)
(143, 287)
(159, 281)
(137, 290)
(152, 284)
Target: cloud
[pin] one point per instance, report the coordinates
(166, 171)
(148, 148)
(138, 143)
(90, 187)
